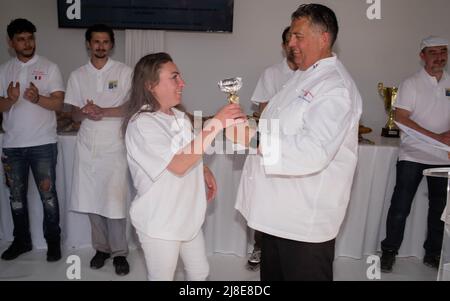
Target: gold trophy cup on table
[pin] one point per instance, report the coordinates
(389, 95)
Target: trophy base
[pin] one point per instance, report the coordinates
(392, 133)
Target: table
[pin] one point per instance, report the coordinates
(225, 229)
(365, 223)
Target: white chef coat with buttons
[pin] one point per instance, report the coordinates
(299, 188)
(100, 178)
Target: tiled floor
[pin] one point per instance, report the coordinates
(32, 266)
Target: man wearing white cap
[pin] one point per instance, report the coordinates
(423, 104)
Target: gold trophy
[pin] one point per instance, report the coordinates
(389, 95)
(231, 86)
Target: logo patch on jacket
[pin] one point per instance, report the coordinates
(306, 96)
(38, 75)
(113, 84)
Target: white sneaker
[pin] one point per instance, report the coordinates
(255, 257)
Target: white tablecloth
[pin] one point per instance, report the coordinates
(364, 226)
(225, 229)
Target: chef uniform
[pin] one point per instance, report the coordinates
(299, 188)
(100, 178)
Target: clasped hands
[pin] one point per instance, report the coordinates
(92, 111)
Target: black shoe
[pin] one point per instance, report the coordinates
(99, 260)
(53, 252)
(432, 261)
(387, 261)
(121, 265)
(15, 249)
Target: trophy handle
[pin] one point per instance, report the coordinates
(394, 95)
(381, 89)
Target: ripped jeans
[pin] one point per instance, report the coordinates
(42, 161)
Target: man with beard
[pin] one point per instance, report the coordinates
(98, 92)
(423, 104)
(31, 89)
(270, 82)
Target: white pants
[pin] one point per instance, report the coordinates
(161, 257)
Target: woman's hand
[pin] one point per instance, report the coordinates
(210, 183)
(230, 115)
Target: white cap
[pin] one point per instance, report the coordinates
(432, 41)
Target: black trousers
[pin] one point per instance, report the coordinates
(289, 260)
(409, 175)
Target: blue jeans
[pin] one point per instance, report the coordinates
(42, 161)
(409, 176)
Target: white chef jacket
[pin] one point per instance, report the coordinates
(27, 124)
(100, 178)
(271, 81)
(304, 193)
(167, 206)
(429, 103)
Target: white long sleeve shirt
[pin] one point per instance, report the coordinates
(299, 188)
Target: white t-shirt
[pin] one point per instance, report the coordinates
(303, 193)
(271, 81)
(429, 103)
(166, 206)
(107, 87)
(27, 124)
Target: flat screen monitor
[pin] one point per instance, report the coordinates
(185, 15)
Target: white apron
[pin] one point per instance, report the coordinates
(100, 176)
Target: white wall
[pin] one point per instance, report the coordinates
(373, 50)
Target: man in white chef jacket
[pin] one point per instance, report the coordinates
(298, 189)
(98, 91)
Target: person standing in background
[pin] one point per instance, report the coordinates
(31, 90)
(423, 104)
(98, 92)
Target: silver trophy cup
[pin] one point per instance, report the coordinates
(231, 86)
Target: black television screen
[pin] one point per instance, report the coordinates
(190, 15)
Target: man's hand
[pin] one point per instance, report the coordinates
(13, 91)
(31, 93)
(92, 111)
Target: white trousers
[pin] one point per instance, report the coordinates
(161, 257)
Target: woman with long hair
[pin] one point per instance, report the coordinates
(165, 161)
